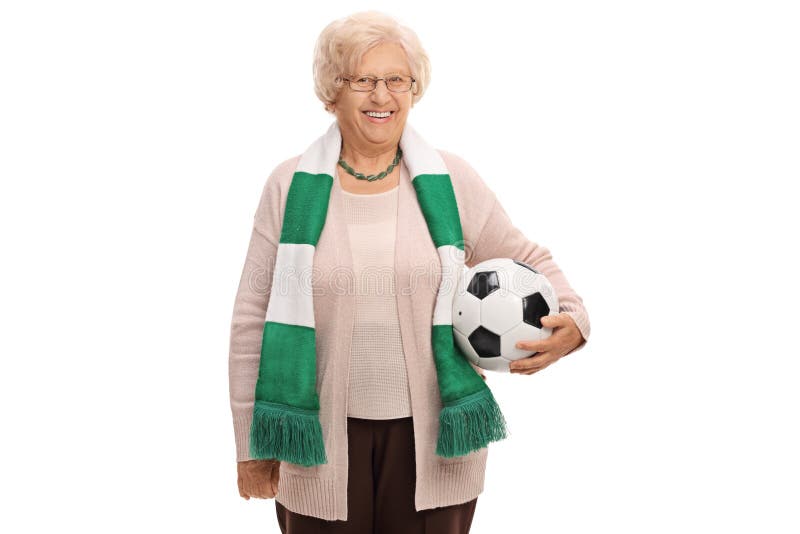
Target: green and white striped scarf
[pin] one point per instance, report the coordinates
(286, 422)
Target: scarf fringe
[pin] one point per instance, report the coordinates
(470, 424)
(286, 433)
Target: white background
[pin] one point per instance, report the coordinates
(652, 146)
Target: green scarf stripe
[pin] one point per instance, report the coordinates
(286, 411)
(449, 367)
(286, 422)
(306, 208)
(297, 374)
(470, 418)
(437, 200)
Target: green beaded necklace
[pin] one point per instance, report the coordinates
(372, 177)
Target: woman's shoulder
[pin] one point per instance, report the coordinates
(273, 196)
(283, 171)
(474, 198)
(279, 179)
(464, 177)
(455, 163)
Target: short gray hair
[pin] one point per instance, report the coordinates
(343, 43)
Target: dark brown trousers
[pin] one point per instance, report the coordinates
(380, 488)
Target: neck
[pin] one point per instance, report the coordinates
(368, 161)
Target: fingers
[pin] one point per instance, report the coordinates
(536, 345)
(261, 483)
(262, 489)
(267, 481)
(537, 362)
(275, 479)
(552, 342)
(550, 321)
(242, 493)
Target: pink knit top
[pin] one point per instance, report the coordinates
(378, 380)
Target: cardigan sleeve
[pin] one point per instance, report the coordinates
(501, 239)
(250, 309)
(489, 233)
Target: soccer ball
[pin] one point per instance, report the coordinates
(498, 303)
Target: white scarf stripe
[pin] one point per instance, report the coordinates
(452, 264)
(419, 156)
(290, 300)
(317, 158)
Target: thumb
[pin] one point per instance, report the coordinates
(274, 477)
(550, 321)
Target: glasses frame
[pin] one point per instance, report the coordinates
(375, 81)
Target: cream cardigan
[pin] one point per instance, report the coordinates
(321, 490)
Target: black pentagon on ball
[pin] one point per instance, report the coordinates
(534, 307)
(526, 266)
(483, 283)
(485, 342)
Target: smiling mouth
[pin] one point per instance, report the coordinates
(380, 114)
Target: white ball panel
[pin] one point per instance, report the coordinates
(501, 311)
(466, 313)
(522, 332)
(524, 282)
(550, 297)
(498, 364)
(494, 264)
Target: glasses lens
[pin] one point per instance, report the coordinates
(398, 83)
(364, 83)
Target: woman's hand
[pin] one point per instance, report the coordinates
(562, 341)
(258, 478)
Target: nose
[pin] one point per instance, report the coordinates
(380, 93)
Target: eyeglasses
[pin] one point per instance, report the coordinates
(396, 83)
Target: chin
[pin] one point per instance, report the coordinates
(381, 136)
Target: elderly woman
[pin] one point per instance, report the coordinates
(351, 405)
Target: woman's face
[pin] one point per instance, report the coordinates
(364, 133)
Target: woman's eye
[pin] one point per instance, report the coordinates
(364, 80)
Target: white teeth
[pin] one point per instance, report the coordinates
(379, 115)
